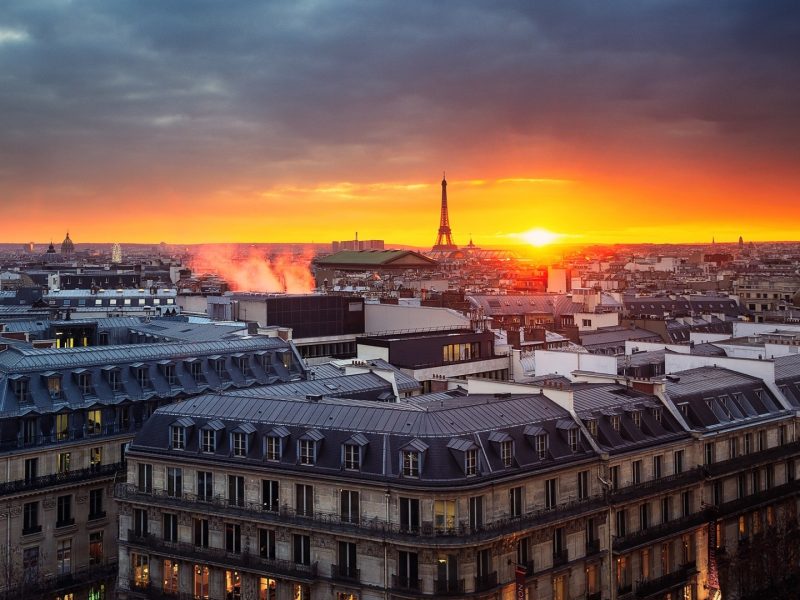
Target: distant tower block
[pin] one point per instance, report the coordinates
(116, 253)
(444, 240)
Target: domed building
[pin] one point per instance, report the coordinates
(67, 246)
(50, 256)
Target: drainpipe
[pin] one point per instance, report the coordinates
(387, 496)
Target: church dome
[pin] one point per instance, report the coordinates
(67, 247)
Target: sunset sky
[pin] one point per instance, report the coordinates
(211, 121)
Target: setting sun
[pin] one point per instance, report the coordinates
(540, 237)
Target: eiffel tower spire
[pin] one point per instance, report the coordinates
(444, 240)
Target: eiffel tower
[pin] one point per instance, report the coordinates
(444, 241)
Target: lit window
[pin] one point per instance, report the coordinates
(574, 436)
(542, 445)
(410, 463)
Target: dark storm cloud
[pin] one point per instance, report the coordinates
(108, 93)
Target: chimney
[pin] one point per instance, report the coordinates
(285, 333)
(252, 327)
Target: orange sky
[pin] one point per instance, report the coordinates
(296, 122)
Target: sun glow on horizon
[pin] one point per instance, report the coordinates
(539, 237)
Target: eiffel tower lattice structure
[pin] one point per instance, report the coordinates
(444, 239)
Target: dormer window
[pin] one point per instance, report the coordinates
(178, 437)
(195, 370)
(264, 360)
(615, 422)
(243, 364)
(591, 425)
(20, 385)
(168, 371)
(84, 380)
(471, 462)
(465, 451)
(217, 363)
(141, 375)
(240, 439)
(636, 415)
(307, 447)
(657, 414)
(573, 436)
(208, 435)
(507, 453)
(113, 377)
(273, 443)
(411, 458)
(352, 451)
(53, 381)
(542, 445)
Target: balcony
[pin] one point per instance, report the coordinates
(656, 532)
(753, 500)
(656, 486)
(594, 596)
(376, 527)
(486, 582)
(53, 584)
(402, 583)
(31, 530)
(65, 523)
(345, 573)
(660, 585)
(448, 587)
(745, 461)
(243, 561)
(37, 483)
(72, 435)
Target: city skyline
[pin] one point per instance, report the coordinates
(643, 122)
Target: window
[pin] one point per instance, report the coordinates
(542, 445)
(507, 453)
(85, 384)
(266, 543)
(352, 457)
(615, 422)
(444, 515)
(140, 567)
(762, 440)
(408, 570)
(64, 511)
(591, 425)
(270, 495)
(644, 516)
(169, 374)
(748, 443)
(208, 440)
(476, 513)
(140, 522)
(686, 503)
(171, 579)
(470, 462)
(410, 463)
(170, 527)
(95, 548)
(62, 427)
(201, 582)
(665, 512)
(30, 565)
(178, 437)
(709, 453)
(31, 469)
(21, 390)
(550, 493)
(657, 460)
(146, 478)
(174, 482)
(142, 377)
(636, 472)
(96, 504)
(783, 435)
(348, 506)
(302, 549)
(239, 444)
(233, 538)
(201, 532)
(93, 422)
(267, 589)
(235, 490)
(613, 473)
(677, 462)
(515, 501)
(29, 432)
(559, 544)
(196, 371)
(636, 415)
(523, 553)
(741, 486)
(732, 448)
(30, 518)
(64, 557)
(95, 457)
(307, 452)
(233, 585)
(348, 566)
(54, 386)
(717, 493)
(273, 448)
(621, 523)
(205, 486)
(583, 485)
(114, 380)
(409, 514)
(573, 436)
(657, 412)
(304, 500)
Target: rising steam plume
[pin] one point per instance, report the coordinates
(252, 270)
